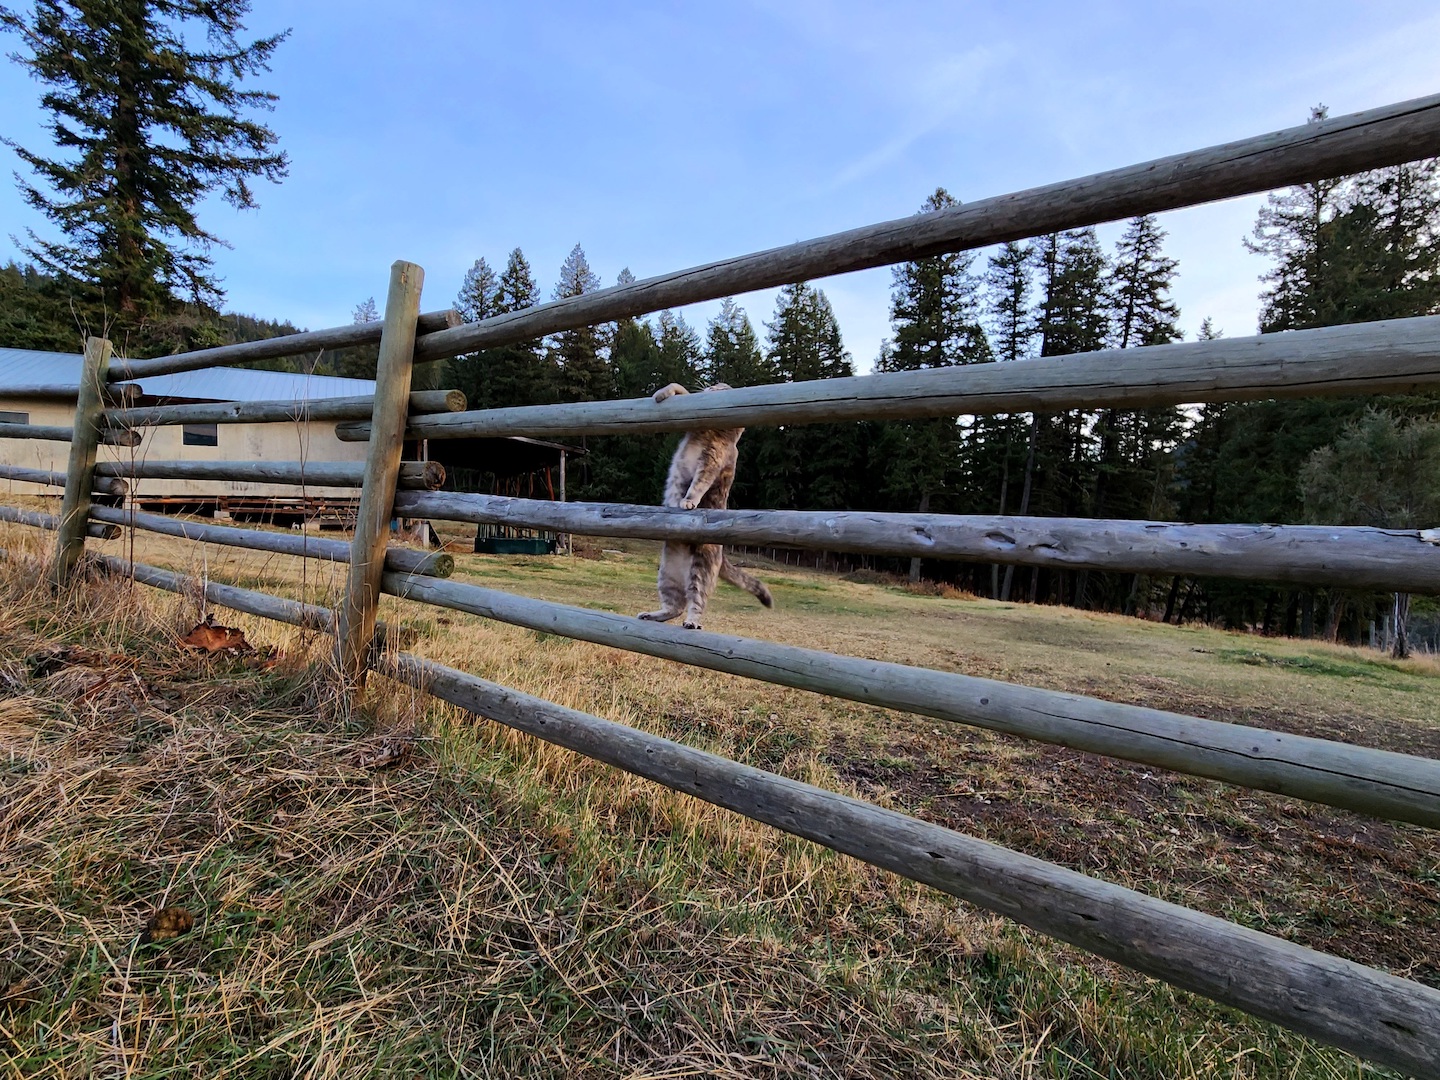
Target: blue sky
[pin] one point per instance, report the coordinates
(660, 136)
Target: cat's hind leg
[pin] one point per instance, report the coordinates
(704, 569)
(671, 582)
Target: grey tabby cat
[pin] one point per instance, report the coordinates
(701, 473)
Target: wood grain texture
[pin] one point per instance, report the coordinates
(1395, 560)
(80, 471)
(103, 485)
(38, 520)
(1336, 147)
(398, 560)
(355, 621)
(1376, 782)
(312, 341)
(1397, 356)
(415, 475)
(58, 433)
(1370, 1013)
(287, 412)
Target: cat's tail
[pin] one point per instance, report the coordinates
(751, 584)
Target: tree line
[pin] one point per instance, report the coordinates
(145, 124)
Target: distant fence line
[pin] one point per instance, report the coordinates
(1381, 1017)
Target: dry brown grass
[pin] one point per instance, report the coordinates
(490, 905)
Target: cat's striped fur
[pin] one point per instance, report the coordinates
(701, 474)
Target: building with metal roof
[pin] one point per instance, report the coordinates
(40, 388)
(23, 371)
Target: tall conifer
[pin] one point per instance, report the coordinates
(813, 465)
(934, 312)
(147, 126)
(584, 375)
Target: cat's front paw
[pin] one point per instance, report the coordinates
(689, 504)
(691, 625)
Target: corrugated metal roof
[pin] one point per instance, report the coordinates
(30, 367)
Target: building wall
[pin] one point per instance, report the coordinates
(309, 441)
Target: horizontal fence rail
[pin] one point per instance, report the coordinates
(1397, 356)
(414, 475)
(339, 337)
(36, 519)
(57, 433)
(1377, 782)
(400, 560)
(1298, 155)
(110, 486)
(250, 412)
(250, 601)
(1380, 1016)
(1350, 557)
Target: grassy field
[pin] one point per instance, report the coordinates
(487, 905)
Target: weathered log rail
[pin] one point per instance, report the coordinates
(39, 520)
(312, 341)
(399, 560)
(1345, 556)
(1376, 1015)
(56, 433)
(1398, 356)
(257, 412)
(413, 475)
(104, 485)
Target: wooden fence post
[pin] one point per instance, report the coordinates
(80, 474)
(355, 627)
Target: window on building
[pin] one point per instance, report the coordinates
(200, 435)
(14, 417)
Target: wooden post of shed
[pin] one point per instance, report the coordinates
(562, 541)
(355, 627)
(80, 474)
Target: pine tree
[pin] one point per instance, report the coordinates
(1073, 317)
(147, 127)
(815, 465)
(680, 356)
(520, 374)
(935, 315)
(479, 293)
(1012, 332)
(1132, 472)
(584, 375)
(732, 351)
(477, 299)
(1287, 231)
(366, 311)
(1133, 464)
(1012, 321)
(1383, 473)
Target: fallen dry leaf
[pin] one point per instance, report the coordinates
(210, 637)
(166, 923)
(384, 754)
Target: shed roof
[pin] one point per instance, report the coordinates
(21, 368)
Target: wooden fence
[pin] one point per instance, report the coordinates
(1371, 1013)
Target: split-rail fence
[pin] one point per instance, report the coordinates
(1374, 1014)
